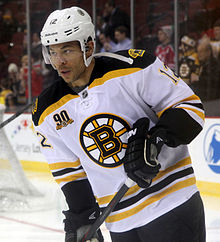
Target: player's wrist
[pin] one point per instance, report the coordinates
(73, 221)
(156, 138)
(77, 224)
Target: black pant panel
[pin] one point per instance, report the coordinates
(185, 223)
(129, 236)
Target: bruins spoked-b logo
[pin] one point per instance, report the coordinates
(104, 139)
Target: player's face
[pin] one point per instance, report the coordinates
(68, 60)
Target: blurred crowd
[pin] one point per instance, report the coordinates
(198, 57)
(14, 89)
(14, 62)
(113, 26)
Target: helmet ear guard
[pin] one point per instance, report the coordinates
(70, 24)
(46, 54)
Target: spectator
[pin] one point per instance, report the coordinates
(39, 65)
(49, 74)
(114, 17)
(5, 90)
(37, 78)
(215, 42)
(123, 42)
(148, 41)
(36, 46)
(107, 45)
(188, 60)
(8, 26)
(208, 86)
(15, 83)
(10, 103)
(99, 25)
(22, 25)
(24, 42)
(35, 40)
(164, 51)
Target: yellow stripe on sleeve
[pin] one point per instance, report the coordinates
(191, 98)
(71, 177)
(62, 165)
(199, 113)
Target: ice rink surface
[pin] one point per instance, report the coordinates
(43, 222)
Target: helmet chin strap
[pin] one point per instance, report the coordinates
(88, 60)
(107, 54)
(85, 48)
(114, 55)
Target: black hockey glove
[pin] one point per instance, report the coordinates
(76, 225)
(140, 160)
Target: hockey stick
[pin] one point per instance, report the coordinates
(115, 200)
(19, 112)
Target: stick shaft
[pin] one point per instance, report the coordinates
(15, 115)
(115, 200)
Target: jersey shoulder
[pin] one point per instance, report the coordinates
(48, 97)
(140, 59)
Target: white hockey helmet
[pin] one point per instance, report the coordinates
(69, 24)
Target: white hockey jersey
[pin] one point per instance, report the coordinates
(83, 136)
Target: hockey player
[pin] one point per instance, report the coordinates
(109, 117)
